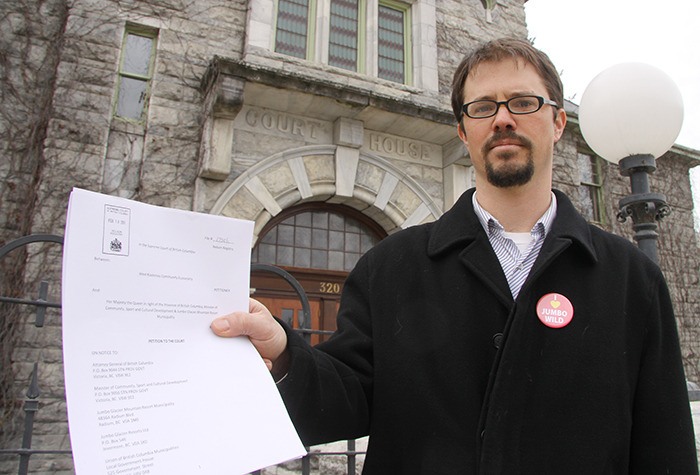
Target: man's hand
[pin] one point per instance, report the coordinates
(264, 332)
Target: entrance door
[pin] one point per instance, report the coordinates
(322, 289)
(318, 243)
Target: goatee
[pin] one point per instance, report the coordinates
(508, 175)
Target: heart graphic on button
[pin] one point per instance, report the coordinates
(555, 310)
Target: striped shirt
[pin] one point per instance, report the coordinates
(516, 261)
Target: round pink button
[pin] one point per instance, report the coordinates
(555, 310)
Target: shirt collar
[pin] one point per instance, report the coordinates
(491, 224)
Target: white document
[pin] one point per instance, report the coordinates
(150, 389)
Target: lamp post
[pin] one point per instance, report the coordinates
(631, 114)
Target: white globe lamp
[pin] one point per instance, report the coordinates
(631, 114)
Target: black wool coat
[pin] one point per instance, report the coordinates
(449, 375)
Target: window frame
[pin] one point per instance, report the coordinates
(144, 32)
(368, 225)
(405, 9)
(318, 35)
(595, 189)
(310, 29)
(360, 39)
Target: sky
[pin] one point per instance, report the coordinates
(585, 37)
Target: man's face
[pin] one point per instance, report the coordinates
(510, 150)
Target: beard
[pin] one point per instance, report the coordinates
(508, 174)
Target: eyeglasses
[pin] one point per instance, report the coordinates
(518, 105)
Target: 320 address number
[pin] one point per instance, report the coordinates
(330, 287)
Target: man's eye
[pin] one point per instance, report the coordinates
(523, 103)
(483, 107)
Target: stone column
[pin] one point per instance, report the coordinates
(223, 102)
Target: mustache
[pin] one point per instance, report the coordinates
(509, 135)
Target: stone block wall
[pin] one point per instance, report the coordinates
(465, 24)
(30, 40)
(677, 243)
(153, 162)
(678, 252)
(57, 131)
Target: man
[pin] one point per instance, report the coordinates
(509, 336)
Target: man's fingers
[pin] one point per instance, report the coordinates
(256, 307)
(221, 326)
(264, 332)
(238, 324)
(254, 324)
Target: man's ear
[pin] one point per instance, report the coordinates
(461, 132)
(559, 124)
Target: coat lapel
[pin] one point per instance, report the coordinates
(569, 228)
(459, 228)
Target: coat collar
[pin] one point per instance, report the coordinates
(569, 224)
(460, 226)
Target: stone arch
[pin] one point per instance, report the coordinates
(330, 173)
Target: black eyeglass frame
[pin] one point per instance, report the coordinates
(541, 101)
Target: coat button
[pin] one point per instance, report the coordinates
(497, 340)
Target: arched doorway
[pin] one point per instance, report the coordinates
(318, 243)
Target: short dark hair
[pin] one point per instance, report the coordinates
(498, 50)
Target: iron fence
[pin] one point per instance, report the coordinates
(32, 400)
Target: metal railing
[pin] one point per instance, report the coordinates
(33, 394)
(31, 401)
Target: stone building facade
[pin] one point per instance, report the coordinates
(208, 115)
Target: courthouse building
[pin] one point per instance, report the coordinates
(326, 122)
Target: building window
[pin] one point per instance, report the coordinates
(393, 42)
(342, 41)
(135, 73)
(293, 24)
(590, 191)
(343, 44)
(346, 34)
(322, 239)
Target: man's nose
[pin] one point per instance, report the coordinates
(503, 119)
